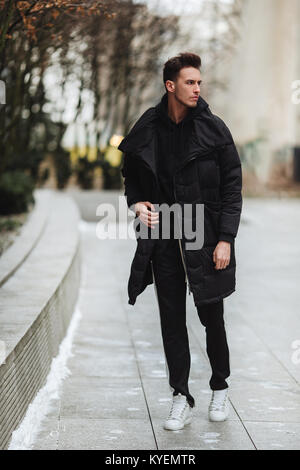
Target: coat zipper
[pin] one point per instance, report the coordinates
(194, 158)
(183, 262)
(179, 240)
(180, 246)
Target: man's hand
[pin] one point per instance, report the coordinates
(221, 255)
(148, 217)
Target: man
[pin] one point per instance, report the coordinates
(179, 152)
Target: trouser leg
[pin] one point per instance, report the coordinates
(212, 317)
(169, 279)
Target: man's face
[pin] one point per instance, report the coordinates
(187, 86)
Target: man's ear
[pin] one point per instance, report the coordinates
(171, 85)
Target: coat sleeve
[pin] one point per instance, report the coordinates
(129, 171)
(230, 188)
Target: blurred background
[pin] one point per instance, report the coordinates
(76, 76)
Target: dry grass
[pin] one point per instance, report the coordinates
(10, 228)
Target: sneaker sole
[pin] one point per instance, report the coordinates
(188, 421)
(218, 420)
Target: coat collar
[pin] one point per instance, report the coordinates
(142, 140)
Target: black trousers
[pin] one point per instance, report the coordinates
(170, 287)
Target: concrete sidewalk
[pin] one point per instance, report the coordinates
(117, 395)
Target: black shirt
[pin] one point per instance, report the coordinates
(171, 140)
(171, 145)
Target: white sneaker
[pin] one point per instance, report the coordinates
(180, 413)
(219, 406)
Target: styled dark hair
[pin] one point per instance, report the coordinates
(173, 66)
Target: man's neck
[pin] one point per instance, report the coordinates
(176, 110)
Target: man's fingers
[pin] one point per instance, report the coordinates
(153, 215)
(149, 218)
(152, 218)
(222, 263)
(150, 205)
(221, 256)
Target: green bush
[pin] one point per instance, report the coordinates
(85, 172)
(8, 225)
(16, 192)
(62, 167)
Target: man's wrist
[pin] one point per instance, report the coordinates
(226, 237)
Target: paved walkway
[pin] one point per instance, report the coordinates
(117, 395)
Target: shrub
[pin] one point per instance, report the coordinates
(62, 167)
(16, 192)
(85, 172)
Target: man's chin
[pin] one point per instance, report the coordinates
(191, 104)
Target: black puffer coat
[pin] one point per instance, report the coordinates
(209, 173)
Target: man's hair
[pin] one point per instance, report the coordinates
(173, 66)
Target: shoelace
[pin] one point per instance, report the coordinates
(177, 410)
(217, 404)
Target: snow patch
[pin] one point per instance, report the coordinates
(24, 436)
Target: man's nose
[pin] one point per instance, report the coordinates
(197, 89)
